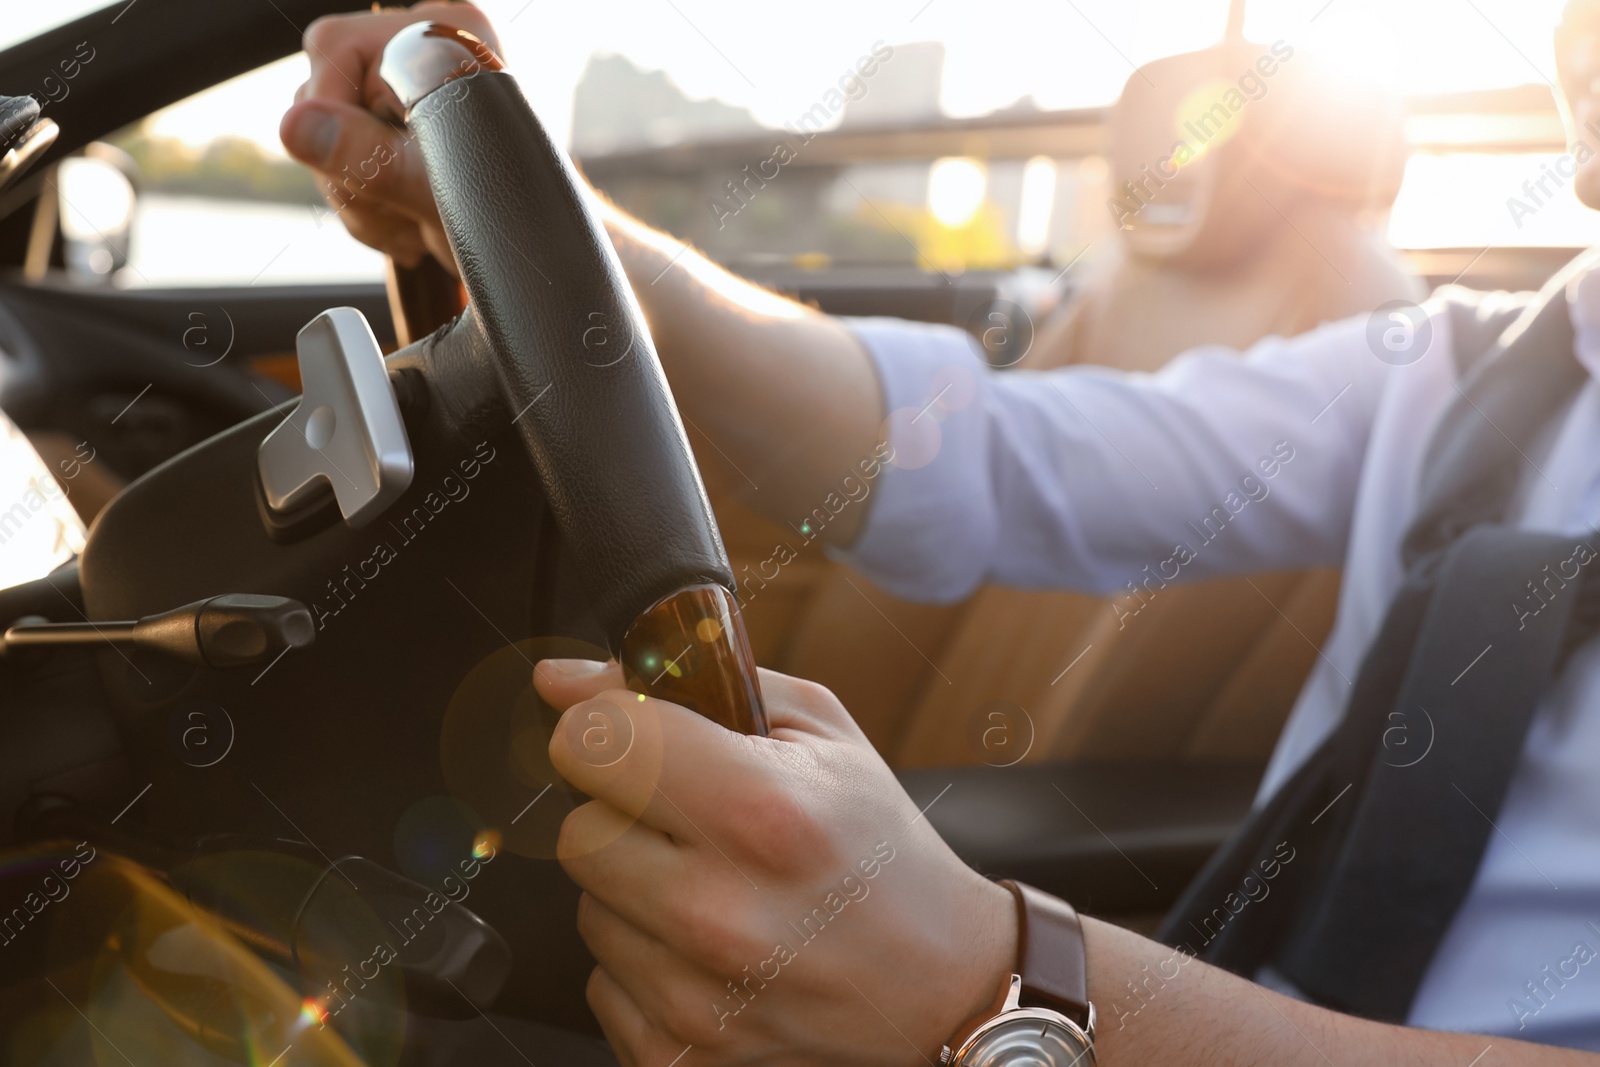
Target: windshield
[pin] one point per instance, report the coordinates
(23, 21)
(1020, 184)
(668, 105)
(1020, 54)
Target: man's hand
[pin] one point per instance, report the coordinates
(344, 126)
(765, 900)
(779, 900)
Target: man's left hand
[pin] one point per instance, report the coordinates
(763, 899)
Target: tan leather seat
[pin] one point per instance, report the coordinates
(1274, 230)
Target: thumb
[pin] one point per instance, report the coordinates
(360, 157)
(565, 682)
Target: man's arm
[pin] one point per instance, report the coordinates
(1099, 480)
(1081, 478)
(784, 394)
(1208, 1016)
(781, 900)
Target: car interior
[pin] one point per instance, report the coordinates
(227, 664)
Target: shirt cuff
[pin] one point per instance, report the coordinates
(932, 524)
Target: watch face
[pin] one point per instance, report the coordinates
(1028, 1037)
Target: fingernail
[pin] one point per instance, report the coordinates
(572, 668)
(318, 134)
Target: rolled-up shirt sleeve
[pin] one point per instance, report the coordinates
(1088, 478)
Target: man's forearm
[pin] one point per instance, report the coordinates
(1156, 1005)
(780, 397)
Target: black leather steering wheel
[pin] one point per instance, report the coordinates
(555, 342)
(397, 718)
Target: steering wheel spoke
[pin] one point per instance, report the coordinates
(603, 434)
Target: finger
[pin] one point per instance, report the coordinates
(623, 864)
(363, 157)
(346, 51)
(373, 224)
(657, 761)
(635, 1040)
(341, 48)
(387, 231)
(798, 709)
(792, 703)
(598, 844)
(620, 1018)
(565, 682)
(666, 987)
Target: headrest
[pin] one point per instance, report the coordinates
(1207, 148)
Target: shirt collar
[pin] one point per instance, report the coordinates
(1583, 304)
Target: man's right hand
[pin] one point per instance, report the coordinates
(344, 126)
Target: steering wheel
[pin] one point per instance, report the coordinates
(555, 341)
(401, 726)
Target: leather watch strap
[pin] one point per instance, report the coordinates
(1050, 953)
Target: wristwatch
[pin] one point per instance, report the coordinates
(1042, 1016)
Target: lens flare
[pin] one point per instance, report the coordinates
(956, 188)
(1207, 118)
(494, 752)
(485, 844)
(312, 1013)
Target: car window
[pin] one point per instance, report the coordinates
(218, 202)
(23, 21)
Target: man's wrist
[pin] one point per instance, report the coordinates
(983, 964)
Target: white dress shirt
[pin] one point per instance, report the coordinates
(1082, 477)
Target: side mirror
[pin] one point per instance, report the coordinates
(97, 204)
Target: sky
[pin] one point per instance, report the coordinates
(777, 57)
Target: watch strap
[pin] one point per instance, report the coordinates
(1050, 953)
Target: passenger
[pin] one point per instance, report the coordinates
(1273, 226)
(1453, 474)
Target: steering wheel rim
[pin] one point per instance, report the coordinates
(554, 327)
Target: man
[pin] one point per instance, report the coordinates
(780, 900)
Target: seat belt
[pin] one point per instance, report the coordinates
(1386, 849)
